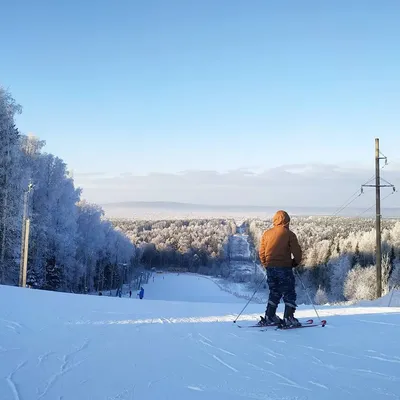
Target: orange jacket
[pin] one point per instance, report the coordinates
(279, 243)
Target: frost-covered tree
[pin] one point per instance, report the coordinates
(11, 182)
(71, 244)
(105, 255)
(394, 280)
(54, 223)
(321, 296)
(360, 283)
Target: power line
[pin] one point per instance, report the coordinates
(373, 205)
(357, 193)
(347, 204)
(351, 199)
(339, 208)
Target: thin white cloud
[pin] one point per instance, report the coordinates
(317, 185)
(89, 174)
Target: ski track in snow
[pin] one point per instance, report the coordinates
(287, 381)
(330, 352)
(65, 367)
(383, 354)
(385, 392)
(330, 369)
(224, 363)
(151, 383)
(378, 374)
(122, 395)
(279, 341)
(271, 352)
(384, 359)
(53, 379)
(13, 386)
(205, 338)
(313, 348)
(12, 323)
(318, 384)
(4, 350)
(378, 322)
(217, 348)
(195, 388)
(13, 326)
(207, 367)
(43, 357)
(258, 368)
(343, 355)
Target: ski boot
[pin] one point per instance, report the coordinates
(270, 317)
(262, 321)
(289, 321)
(268, 321)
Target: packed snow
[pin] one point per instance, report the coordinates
(179, 342)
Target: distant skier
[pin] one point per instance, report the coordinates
(130, 293)
(141, 293)
(277, 246)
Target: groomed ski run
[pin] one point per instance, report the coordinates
(179, 342)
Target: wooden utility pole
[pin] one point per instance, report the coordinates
(26, 252)
(21, 265)
(378, 221)
(23, 268)
(378, 186)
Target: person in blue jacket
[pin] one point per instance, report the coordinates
(141, 293)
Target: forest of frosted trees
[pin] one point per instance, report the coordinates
(199, 245)
(71, 246)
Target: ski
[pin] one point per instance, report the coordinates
(305, 323)
(256, 326)
(283, 328)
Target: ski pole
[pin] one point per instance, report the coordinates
(391, 296)
(251, 298)
(308, 294)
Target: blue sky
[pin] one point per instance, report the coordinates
(168, 86)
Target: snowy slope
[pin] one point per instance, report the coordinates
(59, 346)
(186, 287)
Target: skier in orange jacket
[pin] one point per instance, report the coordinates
(279, 252)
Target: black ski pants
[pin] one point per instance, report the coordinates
(281, 283)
